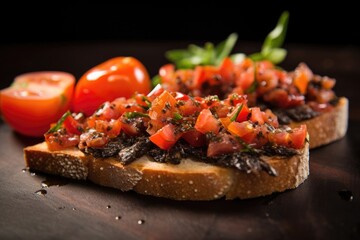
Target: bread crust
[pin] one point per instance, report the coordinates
(189, 180)
(328, 126)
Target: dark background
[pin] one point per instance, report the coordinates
(325, 23)
(27, 32)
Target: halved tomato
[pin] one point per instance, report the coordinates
(35, 100)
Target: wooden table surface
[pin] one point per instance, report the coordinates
(82, 210)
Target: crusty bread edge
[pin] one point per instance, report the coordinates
(190, 180)
(328, 126)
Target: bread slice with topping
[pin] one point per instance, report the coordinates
(189, 180)
(329, 126)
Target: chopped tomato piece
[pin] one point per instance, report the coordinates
(303, 75)
(240, 129)
(72, 126)
(206, 122)
(162, 107)
(298, 136)
(225, 143)
(157, 91)
(57, 141)
(194, 138)
(226, 70)
(257, 116)
(168, 79)
(225, 121)
(240, 113)
(165, 138)
(245, 74)
(294, 138)
(271, 118)
(203, 74)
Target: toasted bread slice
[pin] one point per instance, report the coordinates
(189, 180)
(329, 126)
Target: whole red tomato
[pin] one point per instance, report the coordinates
(116, 77)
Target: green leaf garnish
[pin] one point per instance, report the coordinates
(208, 55)
(252, 87)
(59, 123)
(131, 115)
(233, 118)
(276, 37)
(271, 47)
(213, 55)
(177, 116)
(224, 48)
(155, 80)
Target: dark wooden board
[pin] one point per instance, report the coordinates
(79, 210)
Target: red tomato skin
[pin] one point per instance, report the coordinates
(206, 122)
(165, 138)
(116, 77)
(36, 100)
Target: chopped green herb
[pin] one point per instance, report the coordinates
(155, 81)
(177, 116)
(135, 115)
(252, 87)
(233, 118)
(59, 123)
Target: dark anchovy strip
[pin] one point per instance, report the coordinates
(297, 114)
(301, 113)
(133, 152)
(127, 149)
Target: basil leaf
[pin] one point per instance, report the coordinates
(223, 49)
(276, 55)
(238, 57)
(59, 123)
(177, 54)
(155, 80)
(257, 56)
(276, 37)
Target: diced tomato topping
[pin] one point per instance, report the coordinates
(194, 138)
(58, 141)
(206, 122)
(257, 116)
(240, 113)
(224, 144)
(165, 138)
(226, 70)
(72, 126)
(303, 75)
(298, 137)
(240, 129)
(245, 74)
(162, 107)
(157, 91)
